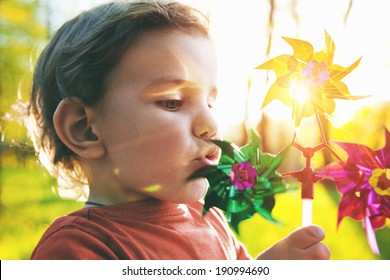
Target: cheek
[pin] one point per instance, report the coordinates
(151, 152)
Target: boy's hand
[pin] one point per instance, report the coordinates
(302, 244)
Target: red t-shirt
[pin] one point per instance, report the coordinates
(141, 230)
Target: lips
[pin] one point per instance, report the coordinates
(209, 157)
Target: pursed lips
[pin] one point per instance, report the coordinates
(210, 157)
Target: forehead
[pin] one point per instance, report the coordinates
(166, 53)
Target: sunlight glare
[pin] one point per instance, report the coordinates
(240, 33)
(153, 188)
(300, 92)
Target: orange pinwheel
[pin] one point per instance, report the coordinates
(308, 80)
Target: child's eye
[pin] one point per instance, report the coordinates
(171, 104)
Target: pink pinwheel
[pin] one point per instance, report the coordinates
(364, 182)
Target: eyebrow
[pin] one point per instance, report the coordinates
(161, 84)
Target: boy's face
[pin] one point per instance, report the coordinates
(156, 117)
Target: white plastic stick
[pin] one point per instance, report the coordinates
(307, 205)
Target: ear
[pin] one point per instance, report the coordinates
(73, 122)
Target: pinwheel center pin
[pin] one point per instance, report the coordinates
(315, 73)
(380, 181)
(243, 175)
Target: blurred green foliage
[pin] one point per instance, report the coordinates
(29, 203)
(22, 37)
(28, 206)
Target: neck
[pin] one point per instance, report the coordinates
(93, 204)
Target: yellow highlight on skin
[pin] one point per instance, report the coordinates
(116, 171)
(153, 188)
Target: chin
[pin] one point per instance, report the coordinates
(199, 189)
(195, 190)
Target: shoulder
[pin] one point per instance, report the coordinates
(74, 223)
(74, 236)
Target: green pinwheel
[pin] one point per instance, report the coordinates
(244, 182)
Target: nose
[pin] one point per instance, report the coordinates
(205, 125)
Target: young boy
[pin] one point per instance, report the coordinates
(123, 95)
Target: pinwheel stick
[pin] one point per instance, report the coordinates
(308, 176)
(307, 210)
